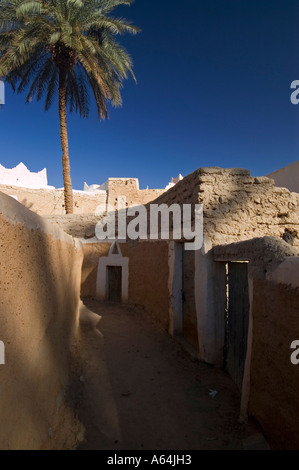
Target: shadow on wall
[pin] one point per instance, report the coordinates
(275, 380)
(237, 208)
(27, 204)
(39, 291)
(91, 391)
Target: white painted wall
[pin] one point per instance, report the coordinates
(113, 259)
(287, 177)
(21, 176)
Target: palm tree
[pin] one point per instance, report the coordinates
(67, 45)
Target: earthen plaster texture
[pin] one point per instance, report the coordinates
(274, 380)
(236, 205)
(40, 273)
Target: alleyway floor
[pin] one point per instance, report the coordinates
(149, 394)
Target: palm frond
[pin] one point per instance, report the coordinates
(39, 39)
(51, 89)
(28, 8)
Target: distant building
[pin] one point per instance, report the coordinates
(21, 176)
(128, 188)
(287, 177)
(174, 181)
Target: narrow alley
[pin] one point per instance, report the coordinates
(153, 395)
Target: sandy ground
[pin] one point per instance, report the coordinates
(145, 393)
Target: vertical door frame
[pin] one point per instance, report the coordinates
(175, 285)
(114, 258)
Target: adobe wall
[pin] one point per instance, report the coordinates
(271, 382)
(76, 225)
(92, 253)
(274, 380)
(237, 206)
(40, 273)
(189, 308)
(129, 188)
(148, 275)
(148, 278)
(51, 201)
(287, 177)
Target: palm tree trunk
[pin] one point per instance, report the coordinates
(66, 169)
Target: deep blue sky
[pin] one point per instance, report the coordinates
(213, 90)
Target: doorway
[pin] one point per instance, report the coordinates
(114, 283)
(188, 298)
(237, 320)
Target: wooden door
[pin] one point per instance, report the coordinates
(237, 320)
(188, 293)
(114, 281)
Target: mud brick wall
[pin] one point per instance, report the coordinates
(148, 275)
(237, 206)
(40, 273)
(92, 253)
(51, 201)
(128, 187)
(148, 278)
(274, 380)
(76, 225)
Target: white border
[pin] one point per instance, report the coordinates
(112, 260)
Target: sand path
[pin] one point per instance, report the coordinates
(147, 393)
